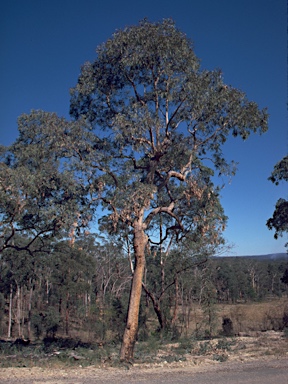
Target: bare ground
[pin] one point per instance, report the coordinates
(260, 347)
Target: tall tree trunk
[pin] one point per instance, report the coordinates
(131, 329)
(9, 333)
(87, 300)
(67, 310)
(29, 311)
(176, 305)
(47, 291)
(18, 316)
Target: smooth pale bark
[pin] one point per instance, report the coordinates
(29, 311)
(9, 333)
(18, 315)
(131, 329)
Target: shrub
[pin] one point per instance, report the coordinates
(46, 322)
(227, 327)
(221, 358)
(225, 345)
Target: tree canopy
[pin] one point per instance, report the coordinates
(39, 196)
(158, 121)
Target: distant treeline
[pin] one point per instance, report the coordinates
(249, 278)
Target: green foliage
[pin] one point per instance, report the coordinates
(279, 220)
(225, 344)
(220, 357)
(246, 279)
(51, 322)
(47, 323)
(185, 346)
(280, 171)
(39, 196)
(37, 324)
(147, 350)
(204, 348)
(117, 318)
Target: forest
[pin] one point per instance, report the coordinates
(82, 291)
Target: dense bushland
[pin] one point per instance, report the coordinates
(82, 291)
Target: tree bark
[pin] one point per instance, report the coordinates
(131, 329)
(18, 316)
(29, 311)
(67, 310)
(9, 333)
(175, 312)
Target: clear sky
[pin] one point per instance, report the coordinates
(43, 43)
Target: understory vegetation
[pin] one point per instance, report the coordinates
(162, 349)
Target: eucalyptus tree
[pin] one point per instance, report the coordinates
(157, 126)
(279, 220)
(39, 197)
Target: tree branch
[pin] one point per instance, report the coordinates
(168, 210)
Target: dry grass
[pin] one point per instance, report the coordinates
(264, 316)
(246, 317)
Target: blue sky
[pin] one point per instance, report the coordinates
(43, 44)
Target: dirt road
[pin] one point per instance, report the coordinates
(265, 371)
